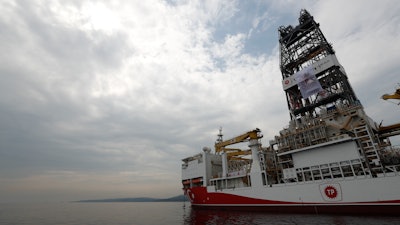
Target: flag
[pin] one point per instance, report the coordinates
(307, 82)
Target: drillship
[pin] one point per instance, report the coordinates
(331, 158)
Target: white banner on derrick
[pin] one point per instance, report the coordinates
(307, 82)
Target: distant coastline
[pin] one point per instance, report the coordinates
(179, 198)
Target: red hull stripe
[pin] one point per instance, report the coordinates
(200, 197)
(392, 210)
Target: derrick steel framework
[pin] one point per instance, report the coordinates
(300, 47)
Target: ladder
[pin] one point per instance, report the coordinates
(368, 148)
(261, 158)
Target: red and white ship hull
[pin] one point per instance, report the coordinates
(377, 196)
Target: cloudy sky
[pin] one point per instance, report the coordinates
(102, 99)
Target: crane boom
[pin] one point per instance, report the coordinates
(395, 95)
(220, 145)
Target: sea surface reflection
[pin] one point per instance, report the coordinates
(202, 216)
(161, 213)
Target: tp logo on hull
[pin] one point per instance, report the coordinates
(331, 192)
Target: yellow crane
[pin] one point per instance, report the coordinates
(220, 145)
(395, 95)
(392, 130)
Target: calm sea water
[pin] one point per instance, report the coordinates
(166, 213)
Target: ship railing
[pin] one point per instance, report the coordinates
(349, 169)
(392, 170)
(342, 108)
(231, 175)
(238, 173)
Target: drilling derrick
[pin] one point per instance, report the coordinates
(303, 48)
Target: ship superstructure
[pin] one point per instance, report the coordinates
(331, 154)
